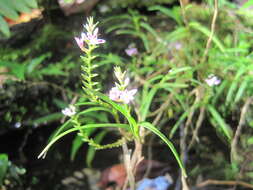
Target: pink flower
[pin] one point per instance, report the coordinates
(124, 96)
(80, 41)
(89, 38)
(128, 95)
(92, 38)
(212, 80)
(115, 94)
(131, 51)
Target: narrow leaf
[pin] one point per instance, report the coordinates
(221, 123)
(152, 128)
(207, 32)
(4, 27)
(91, 150)
(76, 144)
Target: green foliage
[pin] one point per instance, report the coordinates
(11, 8)
(174, 71)
(170, 70)
(9, 172)
(3, 167)
(99, 102)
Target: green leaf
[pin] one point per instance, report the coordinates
(88, 126)
(241, 90)
(99, 108)
(234, 86)
(117, 18)
(76, 144)
(221, 123)
(179, 121)
(247, 5)
(87, 104)
(119, 26)
(177, 34)
(122, 110)
(147, 100)
(48, 118)
(91, 150)
(52, 70)
(17, 70)
(250, 141)
(60, 129)
(150, 29)
(220, 89)
(4, 27)
(145, 41)
(19, 5)
(31, 3)
(207, 32)
(3, 167)
(168, 12)
(7, 11)
(152, 128)
(36, 61)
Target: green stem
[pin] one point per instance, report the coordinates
(88, 71)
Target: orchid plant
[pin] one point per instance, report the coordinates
(117, 103)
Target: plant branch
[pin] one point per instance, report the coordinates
(234, 153)
(208, 44)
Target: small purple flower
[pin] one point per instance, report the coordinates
(212, 80)
(131, 51)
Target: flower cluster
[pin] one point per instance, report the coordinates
(69, 111)
(90, 37)
(119, 93)
(212, 80)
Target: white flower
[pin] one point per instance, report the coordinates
(126, 81)
(115, 94)
(17, 125)
(212, 80)
(69, 111)
(124, 96)
(128, 95)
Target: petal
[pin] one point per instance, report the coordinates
(79, 42)
(100, 41)
(95, 32)
(126, 82)
(83, 36)
(132, 92)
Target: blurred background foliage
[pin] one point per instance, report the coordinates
(40, 75)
